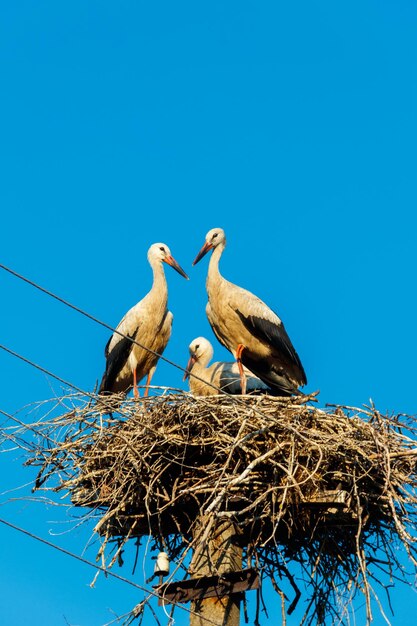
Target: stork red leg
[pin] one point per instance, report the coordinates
(135, 385)
(148, 380)
(239, 351)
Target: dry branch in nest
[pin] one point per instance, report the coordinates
(332, 492)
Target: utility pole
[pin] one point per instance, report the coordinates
(220, 553)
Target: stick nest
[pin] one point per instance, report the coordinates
(332, 492)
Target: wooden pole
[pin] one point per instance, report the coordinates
(218, 554)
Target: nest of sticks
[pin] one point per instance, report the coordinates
(331, 491)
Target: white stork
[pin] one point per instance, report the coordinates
(149, 323)
(221, 374)
(248, 328)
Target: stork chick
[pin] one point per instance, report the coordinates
(223, 375)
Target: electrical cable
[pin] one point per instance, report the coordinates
(235, 398)
(75, 556)
(88, 315)
(98, 321)
(107, 572)
(66, 382)
(49, 373)
(25, 426)
(45, 371)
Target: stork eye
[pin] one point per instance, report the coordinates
(162, 249)
(197, 346)
(214, 235)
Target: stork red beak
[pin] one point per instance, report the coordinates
(207, 246)
(190, 365)
(172, 262)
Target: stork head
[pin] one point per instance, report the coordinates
(201, 350)
(160, 253)
(214, 238)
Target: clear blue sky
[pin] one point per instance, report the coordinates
(291, 125)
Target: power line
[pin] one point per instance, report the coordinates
(98, 321)
(76, 556)
(49, 373)
(69, 384)
(45, 371)
(88, 315)
(108, 572)
(113, 330)
(15, 419)
(234, 398)
(25, 426)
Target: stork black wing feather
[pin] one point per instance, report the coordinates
(116, 359)
(106, 348)
(277, 381)
(274, 334)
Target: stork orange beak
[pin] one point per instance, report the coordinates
(190, 366)
(172, 262)
(207, 246)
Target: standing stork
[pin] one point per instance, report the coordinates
(223, 375)
(148, 323)
(248, 328)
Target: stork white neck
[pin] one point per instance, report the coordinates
(159, 290)
(213, 274)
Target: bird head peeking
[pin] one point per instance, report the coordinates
(160, 253)
(214, 238)
(201, 350)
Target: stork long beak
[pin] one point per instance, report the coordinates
(207, 246)
(190, 366)
(172, 262)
